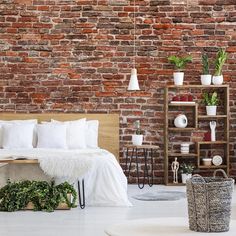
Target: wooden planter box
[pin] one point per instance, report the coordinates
(62, 206)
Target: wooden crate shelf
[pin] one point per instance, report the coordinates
(182, 105)
(212, 142)
(195, 157)
(181, 129)
(205, 117)
(173, 154)
(212, 167)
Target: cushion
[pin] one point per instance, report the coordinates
(91, 135)
(2, 122)
(17, 135)
(75, 133)
(51, 135)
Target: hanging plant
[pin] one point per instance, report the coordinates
(43, 195)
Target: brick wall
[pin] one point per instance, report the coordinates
(76, 55)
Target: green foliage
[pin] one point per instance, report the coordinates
(187, 168)
(179, 62)
(210, 99)
(137, 127)
(220, 61)
(44, 196)
(205, 63)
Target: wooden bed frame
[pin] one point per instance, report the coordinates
(108, 137)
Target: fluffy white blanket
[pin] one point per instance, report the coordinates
(105, 182)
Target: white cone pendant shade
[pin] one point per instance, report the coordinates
(133, 82)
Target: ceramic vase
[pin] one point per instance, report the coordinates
(181, 121)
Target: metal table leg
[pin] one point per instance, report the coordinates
(81, 198)
(137, 171)
(130, 163)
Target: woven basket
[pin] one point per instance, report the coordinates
(209, 202)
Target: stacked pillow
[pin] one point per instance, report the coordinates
(78, 134)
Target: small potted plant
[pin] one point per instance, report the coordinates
(219, 63)
(180, 63)
(137, 138)
(186, 171)
(211, 101)
(206, 76)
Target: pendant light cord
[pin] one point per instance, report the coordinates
(134, 34)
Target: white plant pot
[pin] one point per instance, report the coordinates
(217, 79)
(137, 139)
(211, 110)
(205, 79)
(178, 78)
(185, 177)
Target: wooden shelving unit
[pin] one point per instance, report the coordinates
(197, 117)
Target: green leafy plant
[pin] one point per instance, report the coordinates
(138, 130)
(45, 196)
(221, 57)
(210, 99)
(205, 63)
(179, 62)
(187, 168)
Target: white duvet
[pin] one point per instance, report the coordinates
(105, 182)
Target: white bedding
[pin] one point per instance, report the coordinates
(105, 182)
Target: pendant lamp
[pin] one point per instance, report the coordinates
(133, 82)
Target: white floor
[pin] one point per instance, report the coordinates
(92, 220)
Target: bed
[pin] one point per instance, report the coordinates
(105, 183)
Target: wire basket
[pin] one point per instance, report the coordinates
(209, 202)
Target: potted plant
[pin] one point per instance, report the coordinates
(37, 195)
(180, 63)
(137, 138)
(186, 171)
(211, 101)
(206, 76)
(219, 63)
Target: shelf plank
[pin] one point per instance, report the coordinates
(182, 155)
(212, 167)
(212, 142)
(205, 117)
(182, 104)
(181, 129)
(179, 184)
(197, 86)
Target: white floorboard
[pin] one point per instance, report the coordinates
(92, 220)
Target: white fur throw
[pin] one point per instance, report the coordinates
(60, 163)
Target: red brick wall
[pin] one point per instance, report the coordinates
(76, 55)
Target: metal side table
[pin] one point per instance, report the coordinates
(145, 151)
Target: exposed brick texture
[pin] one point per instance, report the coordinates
(76, 55)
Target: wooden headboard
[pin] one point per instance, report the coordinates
(108, 125)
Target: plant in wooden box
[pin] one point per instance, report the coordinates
(137, 138)
(206, 76)
(36, 195)
(186, 171)
(180, 63)
(211, 101)
(219, 63)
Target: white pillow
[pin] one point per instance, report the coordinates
(91, 135)
(51, 136)
(17, 135)
(75, 133)
(2, 122)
